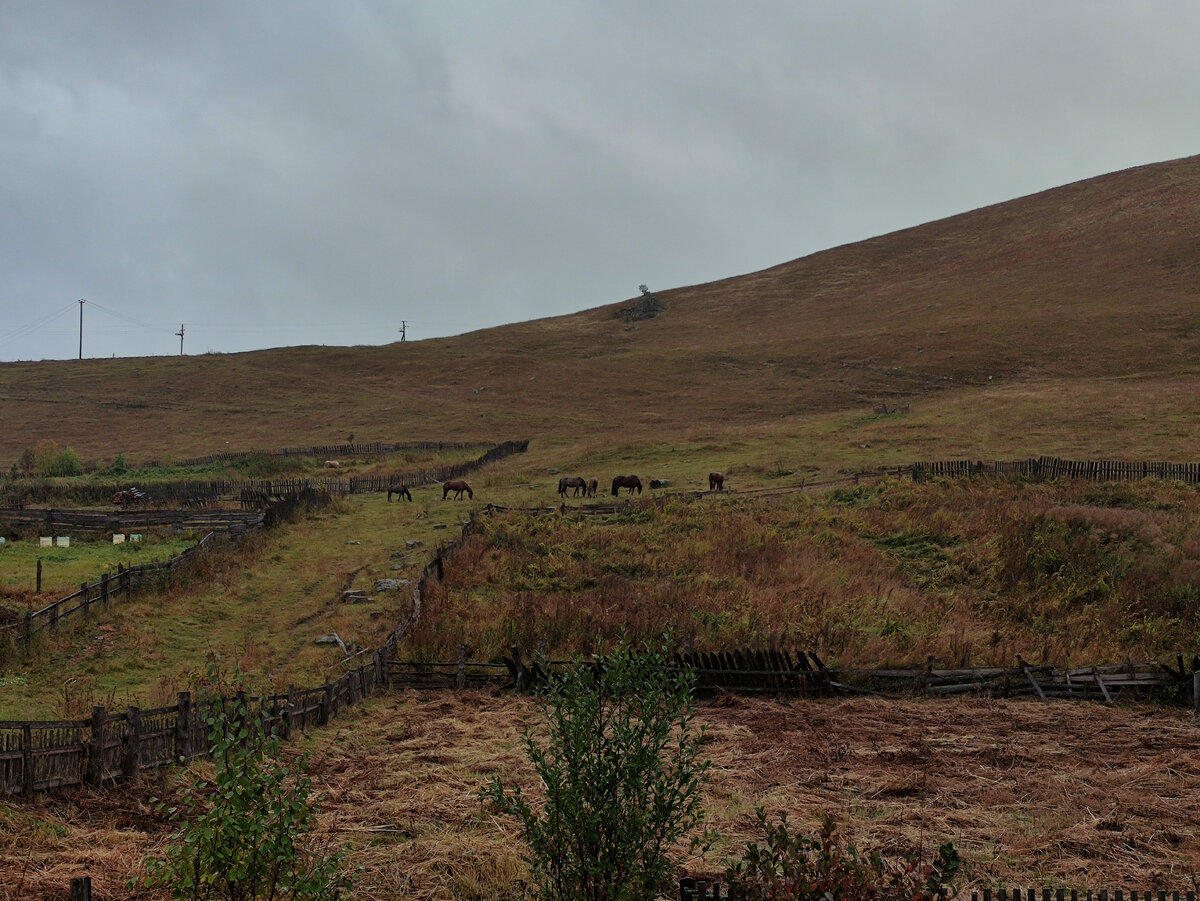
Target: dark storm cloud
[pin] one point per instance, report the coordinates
(284, 173)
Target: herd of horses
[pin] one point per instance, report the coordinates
(574, 484)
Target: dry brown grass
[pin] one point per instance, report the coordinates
(1075, 293)
(970, 573)
(1056, 794)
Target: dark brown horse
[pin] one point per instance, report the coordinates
(593, 487)
(575, 482)
(400, 490)
(716, 481)
(458, 486)
(629, 482)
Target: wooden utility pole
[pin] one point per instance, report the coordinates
(81, 303)
(403, 329)
(180, 334)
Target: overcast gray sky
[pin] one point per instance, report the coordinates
(303, 172)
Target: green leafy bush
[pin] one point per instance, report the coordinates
(792, 867)
(622, 773)
(243, 835)
(50, 460)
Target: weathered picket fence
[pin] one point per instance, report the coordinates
(1058, 468)
(701, 889)
(36, 756)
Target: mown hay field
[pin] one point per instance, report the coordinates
(1059, 794)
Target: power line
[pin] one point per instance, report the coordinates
(23, 330)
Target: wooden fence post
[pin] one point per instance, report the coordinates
(81, 888)
(39, 576)
(28, 631)
(87, 599)
(27, 759)
(461, 681)
(104, 595)
(95, 770)
(325, 714)
(289, 716)
(131, 762)
(1196, 693)
(183, 726)
(54, 616)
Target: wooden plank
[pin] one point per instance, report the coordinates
(1033, 682)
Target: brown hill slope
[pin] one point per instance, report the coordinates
(1095, 280)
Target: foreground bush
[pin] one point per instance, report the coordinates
(622, 774)
(791, 867)
(244, 836)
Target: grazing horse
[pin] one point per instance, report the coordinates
(458, 486)
(629, 482)
(575, 482)
(593, 487)
(716, 481)
(399, 490)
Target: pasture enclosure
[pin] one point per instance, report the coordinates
(102, 592)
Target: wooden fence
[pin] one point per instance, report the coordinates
(36, 756)
(126, 579)
(56, 521)
(804, 674)
(699, 889)
(329, 451)
(39, 755)
(101, 592)
(1058, 468)
(250, 493)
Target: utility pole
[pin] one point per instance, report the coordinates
(81, 303)
(180, 334)
(403, 328)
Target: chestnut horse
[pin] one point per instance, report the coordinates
(458, 486)
(399, 490)
(716, 481)
(593, 487)
(575, 482)
(629, 482)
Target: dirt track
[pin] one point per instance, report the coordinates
(1059, 794)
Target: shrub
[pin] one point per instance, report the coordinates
(622, 774)
(243, 836)
(791, 867)
(49, 460)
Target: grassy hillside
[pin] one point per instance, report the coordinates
(1064, 306)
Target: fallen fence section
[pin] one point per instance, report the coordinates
(804, 674)
(699, 889)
